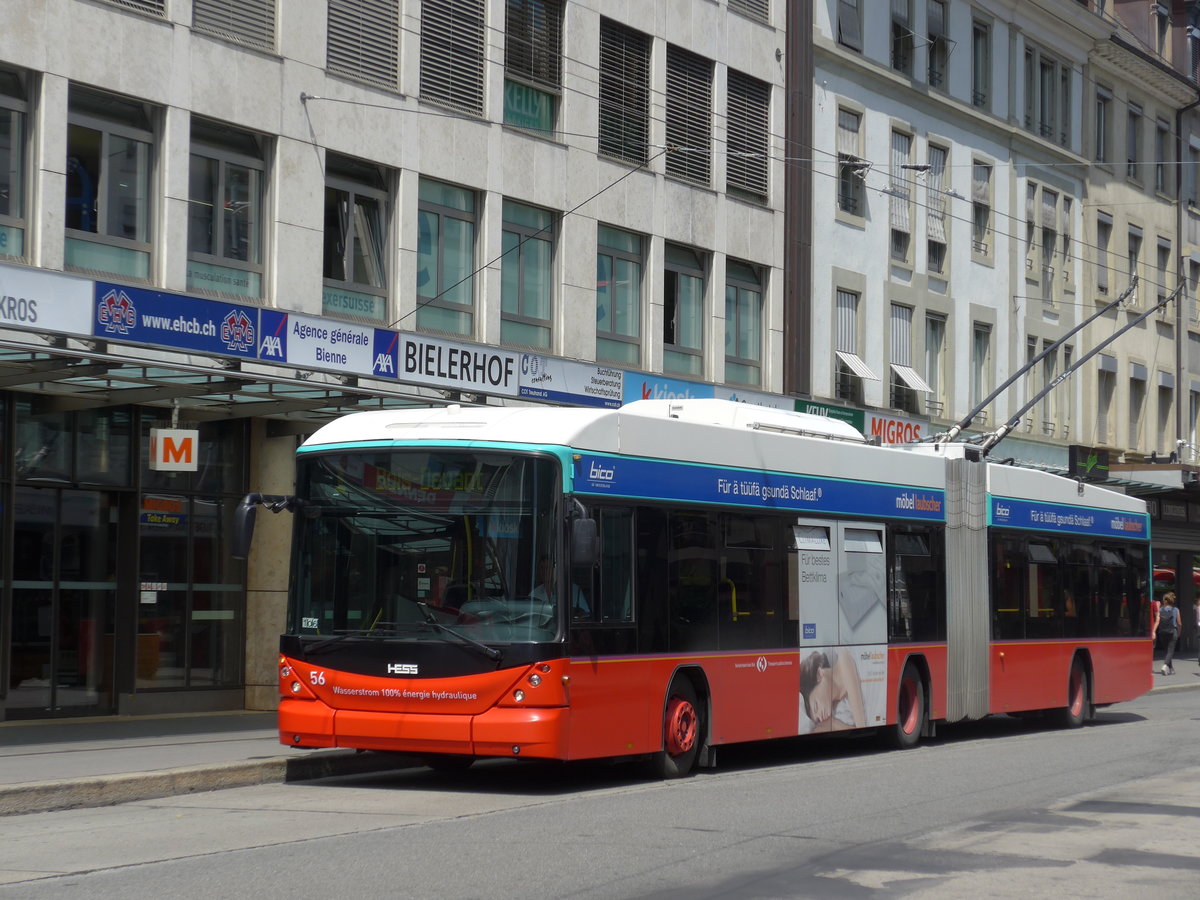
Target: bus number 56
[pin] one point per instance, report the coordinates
(317, 677)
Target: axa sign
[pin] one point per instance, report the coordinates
(174, 449)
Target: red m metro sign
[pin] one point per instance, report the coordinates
(174, 450)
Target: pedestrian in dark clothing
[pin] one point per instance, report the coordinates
(1168, 627)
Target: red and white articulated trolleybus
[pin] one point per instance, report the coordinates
(671, 576)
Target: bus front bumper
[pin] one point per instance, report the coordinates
(538, 733)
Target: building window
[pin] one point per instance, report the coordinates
(1103, 240)
(981, 64)
(624, 88)
(849, 24)
(619, 264)
(1106, 390)
(851, 167)
(1166, 412)
(902, 36)
(1162, 23)
(939, 45)
(1047, 95)
(935, 223)
(689, 116)
(1049, 402)
(1049, 244)
(1162, 286)
(247, 22)
(13, 174)
(981, 366)
(526, 276)
(747, 146)
(849, 368)
(1133, 257)
(452, 53)
(355, 268)
(900, 197)
(1137, 406)
(1193, 44)
(109, 150)
(1162, 157)
(364, 40)
(981, 209)
(683, 312)
(225, 210)
(446, 227)
(743, 324)
(1133, 141)
(532, 63)
(155, 8)
(1103, 125)
(935, 349)
(908, 387)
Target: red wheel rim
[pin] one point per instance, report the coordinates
(908, 712)
(682, 726)
(1076, 692)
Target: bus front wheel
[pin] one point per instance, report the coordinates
(682, 731)
(910, 710)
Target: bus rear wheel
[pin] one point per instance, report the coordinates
(910, 710)
(682, 731)
(1078, 697)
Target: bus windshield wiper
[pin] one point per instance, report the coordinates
(390, 629)
(490, 652)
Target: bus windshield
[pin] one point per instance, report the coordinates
(443, 545)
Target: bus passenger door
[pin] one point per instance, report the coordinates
(838, 598)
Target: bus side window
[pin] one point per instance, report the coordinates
(615, 589)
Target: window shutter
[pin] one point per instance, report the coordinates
(753, 9)
(364, 40)
(899, 186)
(981, 183)
(689, 115)
(157, 8)
(847, 321)
(847, 132)
(747, 139)
(248, 22)
(937, 197)
(624, 93)
(452, 51)
(533, 41)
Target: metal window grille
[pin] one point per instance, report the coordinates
(248, 22)
(747, 138)
(533, 40)
(759, 10)
(689, 115)
(156, 8)
(452, 52)
(364, 40)
(624, 93)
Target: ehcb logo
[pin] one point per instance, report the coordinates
(237, 331)
(810, 631)
(116, 313)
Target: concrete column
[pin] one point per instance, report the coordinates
(272, 471)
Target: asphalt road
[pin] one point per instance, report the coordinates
(1000, 808)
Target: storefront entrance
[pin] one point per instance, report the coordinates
(64, 590)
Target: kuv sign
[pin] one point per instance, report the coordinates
(174, 449)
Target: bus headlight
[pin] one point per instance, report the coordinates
(519, 695)
(295, 687)
(535, 679)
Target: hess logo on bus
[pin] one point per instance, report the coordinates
(402, 669)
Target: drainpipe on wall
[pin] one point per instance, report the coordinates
(1180, 334)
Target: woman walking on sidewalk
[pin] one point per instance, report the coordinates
(1168, 626)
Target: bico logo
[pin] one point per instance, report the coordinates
(402, 669)
(602, 473)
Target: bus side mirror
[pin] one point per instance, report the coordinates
(243, 525)
(585, 543)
